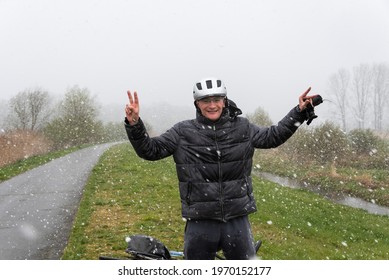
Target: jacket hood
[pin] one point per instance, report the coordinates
(233, 109)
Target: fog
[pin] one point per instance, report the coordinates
(267, 52)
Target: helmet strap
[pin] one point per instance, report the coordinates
(197, 107)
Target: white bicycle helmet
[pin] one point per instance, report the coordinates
(209, 87)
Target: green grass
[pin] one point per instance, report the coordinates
(21, 166)
(126, 195)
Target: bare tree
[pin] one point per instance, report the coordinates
(29, 109)
(381, 93)
(361, 89)
(3, 114)
(338, 86)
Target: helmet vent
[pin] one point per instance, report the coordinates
(208, 87)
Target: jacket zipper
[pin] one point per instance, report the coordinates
(220, 176)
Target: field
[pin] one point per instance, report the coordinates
(126, 195)
(356, 178)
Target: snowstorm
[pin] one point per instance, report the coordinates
(267, 52)
(98, 100)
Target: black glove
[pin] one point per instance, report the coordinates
(310, 111)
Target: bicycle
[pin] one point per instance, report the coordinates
(143, 247)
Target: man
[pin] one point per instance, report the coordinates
(213, 155)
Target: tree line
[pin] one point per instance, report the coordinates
(72, 121)
(360, 96)
(357, 135)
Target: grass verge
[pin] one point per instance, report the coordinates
(126, 195)
(370, 184)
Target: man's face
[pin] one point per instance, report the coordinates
(211, 107)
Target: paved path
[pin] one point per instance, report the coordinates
(37, 208)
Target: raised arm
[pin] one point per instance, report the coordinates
(275, 135)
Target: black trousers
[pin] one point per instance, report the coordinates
(203, 238)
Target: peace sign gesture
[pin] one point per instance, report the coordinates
(304, 100)
(132, 108)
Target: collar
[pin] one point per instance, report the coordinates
(230, 113)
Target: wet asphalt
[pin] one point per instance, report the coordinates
(37, 208)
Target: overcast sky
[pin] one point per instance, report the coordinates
(267, 52)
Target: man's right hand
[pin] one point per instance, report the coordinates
(132, 108)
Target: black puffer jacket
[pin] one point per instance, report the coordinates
(214, 160)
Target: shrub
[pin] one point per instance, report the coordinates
(363, 141)
(368, 149)
(323, 144)
(21, 144)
